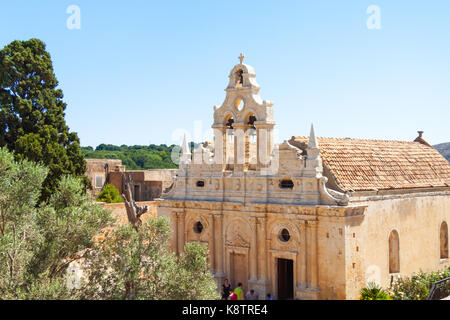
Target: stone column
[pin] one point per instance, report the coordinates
(218, 245)
(261, 237)
(264, 132)
(312, 254)
(220, 144)
(239, 146)
(174, 227)
(211, 242)
(301, 259)
(253, 252)
(247, 151)
(181, 231)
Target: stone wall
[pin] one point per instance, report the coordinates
(101, 168)
(119, 211)
(335, 250)
(417, 219)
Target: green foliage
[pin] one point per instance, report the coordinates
(135, 157)
(109, 194)
(418, 286)
(374, 292)
(38, 242)
(32, 114)
(137, 265)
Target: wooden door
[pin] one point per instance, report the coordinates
(285, 279)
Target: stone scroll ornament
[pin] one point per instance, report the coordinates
(134, 212)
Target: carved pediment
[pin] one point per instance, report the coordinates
(238, 241)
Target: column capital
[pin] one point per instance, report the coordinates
(264, 125)
(218, 126)
(180, 214)
(312, 223)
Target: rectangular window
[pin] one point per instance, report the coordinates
(98, 182)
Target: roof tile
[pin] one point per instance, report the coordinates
(360, 165)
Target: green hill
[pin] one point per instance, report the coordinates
(444, 149)
(134, 157)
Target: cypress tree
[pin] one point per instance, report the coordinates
(32, 123)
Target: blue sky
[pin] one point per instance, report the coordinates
(137, 71)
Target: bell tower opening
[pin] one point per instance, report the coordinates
(239, 78)
(229, 143)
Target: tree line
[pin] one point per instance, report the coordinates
(134, 157)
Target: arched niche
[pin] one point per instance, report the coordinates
(394, 252)
(443, 240)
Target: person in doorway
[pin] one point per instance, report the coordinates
(239, 291)
(252, 295)
(269, 297)
(226, 288)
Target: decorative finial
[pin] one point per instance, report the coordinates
(420, 133)
(313, 144)
(241, 58)
(185, 152)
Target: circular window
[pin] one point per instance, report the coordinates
(200, 184)
(198, 227)
(284, 235)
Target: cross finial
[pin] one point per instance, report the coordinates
(241, 58)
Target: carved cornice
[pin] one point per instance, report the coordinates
(300, 210)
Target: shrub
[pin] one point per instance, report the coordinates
(418, 286)
(374, 292)
(109, 194)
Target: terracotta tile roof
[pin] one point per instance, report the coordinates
(362, 165)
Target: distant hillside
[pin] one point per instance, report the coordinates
(134, 157)
(444, 149)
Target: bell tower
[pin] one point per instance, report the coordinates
(243, 117)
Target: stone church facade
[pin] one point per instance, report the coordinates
(311, 218)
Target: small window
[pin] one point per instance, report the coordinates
(200, 184)
(284, 235)
(198, 227)
(98, 182)
(286, 184)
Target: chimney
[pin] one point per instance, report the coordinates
(421, 140)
